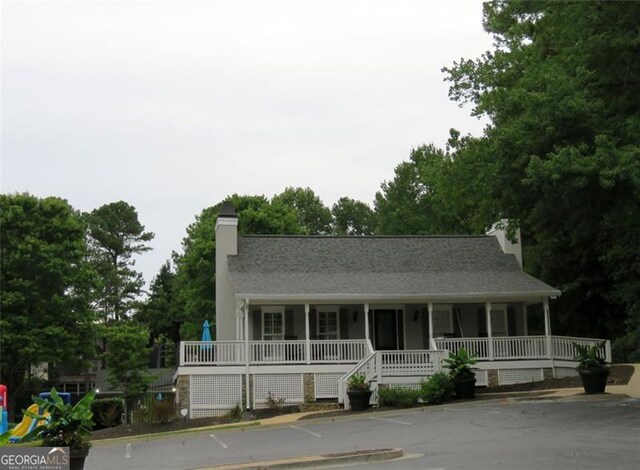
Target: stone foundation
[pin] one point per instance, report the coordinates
(492, 378)
(183, 392)
(309, 388)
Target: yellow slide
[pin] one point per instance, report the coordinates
(27, 425)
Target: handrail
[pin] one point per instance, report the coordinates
(342, 383)
(345, 351)
(563, 347)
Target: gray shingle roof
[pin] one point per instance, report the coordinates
(270, 267)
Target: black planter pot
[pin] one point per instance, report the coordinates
(77, 457)
(465, 387)
(594, 380)
(359, 399)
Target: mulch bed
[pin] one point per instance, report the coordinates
(137, 429)
(618, 375)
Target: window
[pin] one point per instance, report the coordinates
(442, 321)
(328, 325)
(272, 323)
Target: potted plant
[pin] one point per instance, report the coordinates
(359, 391)
(461, 373)
(65, 425)
(592, 368)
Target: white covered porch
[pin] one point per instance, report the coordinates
(306, 352)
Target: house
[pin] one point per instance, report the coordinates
(297, 315)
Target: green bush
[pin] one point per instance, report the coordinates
(400, 397)
(107, 412)
(151, 410)
(436, 389)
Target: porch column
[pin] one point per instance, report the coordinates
(431, 342)
(238, 321)
(237, 324)
(487, 308)
(366, 322)
(525, 319)
(307, 345)
(547, 325)
(246, 352)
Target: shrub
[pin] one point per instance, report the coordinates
(275, 403)
(107, 412)
(152, 410)
(400, 397)
(436, 388)
(163, 411)
(357, 382)
(460, 365)
(235, 413)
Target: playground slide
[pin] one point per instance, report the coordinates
(26, 426)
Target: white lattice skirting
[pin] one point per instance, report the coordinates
(519, 376)
(326, 385)
(482, 379)
(214, 395)
(562, 372)
(287, 386)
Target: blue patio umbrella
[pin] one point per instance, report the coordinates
(206, 335)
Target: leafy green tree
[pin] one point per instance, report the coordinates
(352, 217)
(195, 266)
(312, 215)
(562, 90)
(434, 192)
(44, 286)
(127, 357)
(195, 274)
(115, 236)
(161, 313)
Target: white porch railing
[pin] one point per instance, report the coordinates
(277, 352)
(273, 352)
(411, 363)
(523, 347)
(353, 351)
(379, 365)
(520, 347)
(477, 346)
(563, 348)
(338, 351)
(211, 352)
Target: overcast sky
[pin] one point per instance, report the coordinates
(171, 106)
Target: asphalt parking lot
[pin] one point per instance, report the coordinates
(590, 432)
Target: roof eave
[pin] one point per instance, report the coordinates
(413, 298)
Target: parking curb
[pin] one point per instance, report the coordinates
(364, 456)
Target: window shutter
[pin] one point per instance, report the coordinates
(256, 316)
(511, 321)
(313, 327)
(482, 322)
(288, 324)
(425, 328)
(343, 319)
(457, 330)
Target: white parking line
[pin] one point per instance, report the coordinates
(391, 420)
(219, 441)
(307, 431)
(127, 451)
